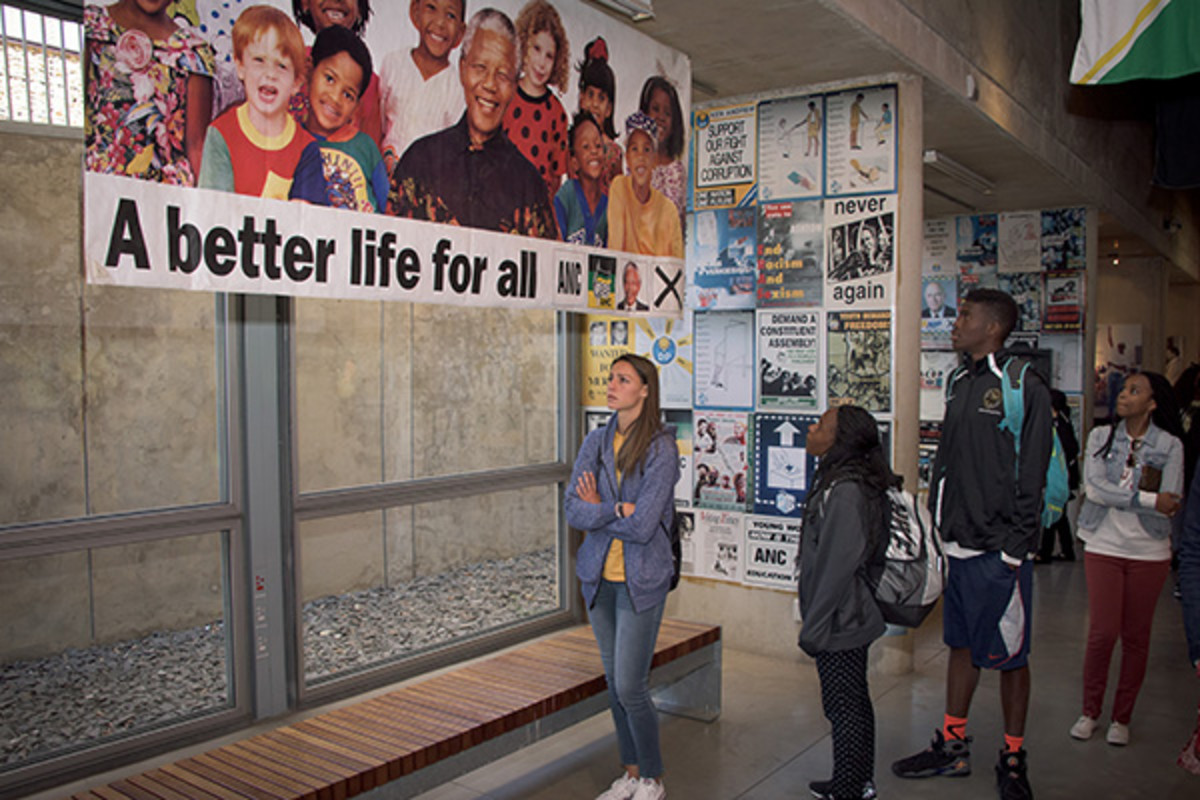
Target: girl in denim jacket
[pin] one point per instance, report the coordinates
(622, 494)
(1133, 477)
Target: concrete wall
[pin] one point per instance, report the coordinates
(111, 405)
(1137, 294)
(1019, 53)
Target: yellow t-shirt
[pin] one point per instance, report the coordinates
(614, 563)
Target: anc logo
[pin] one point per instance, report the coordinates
(664, 350)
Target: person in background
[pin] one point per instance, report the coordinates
(598, 97)
(255, 147)
(418, 92)
(345, 170)
(470, 173)
(621, 494)
(640, 218)
(1070, 446)
(846, 521)
(535, 121)
(660, 102)
(317, 15)
(1133, 477)
(581, 205)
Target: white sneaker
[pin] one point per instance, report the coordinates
(1118, 734)
(622, 788)
(1083, 728)
(649, 789)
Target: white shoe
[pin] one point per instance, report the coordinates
(622, 788)
(1118, 734)
(649, 789)
(1083, 728)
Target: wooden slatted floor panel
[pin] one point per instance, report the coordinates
(353, 749)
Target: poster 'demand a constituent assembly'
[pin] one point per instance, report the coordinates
(789, 359)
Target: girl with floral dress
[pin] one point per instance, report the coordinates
(149, 92)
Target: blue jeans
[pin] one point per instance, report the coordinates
(626, 639)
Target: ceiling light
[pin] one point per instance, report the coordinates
(636, 10)
(952, 169)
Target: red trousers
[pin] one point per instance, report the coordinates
(1122, 595)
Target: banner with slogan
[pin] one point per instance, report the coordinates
(264, 148)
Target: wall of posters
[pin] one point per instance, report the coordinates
(861, 235)
(722, 258)
(1037, 256)
(861, 141)
(859, 359)
(718, 544)
(607, 338)
(936, 366)
(358, 204)
(682, 422)
(725, 169)
(791, 292)
(790, 253)
(782, 465)
(791, 147)
(724, 359)
(789, 365)
(719, 460)
(772, 552)
(668, 343)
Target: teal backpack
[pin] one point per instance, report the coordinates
(1058, 482)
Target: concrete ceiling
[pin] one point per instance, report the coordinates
(805, 42)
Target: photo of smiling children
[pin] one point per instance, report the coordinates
(536, 122)
(419, 94)
(254, 147)
(640, 218)
(149, 92)
(597, 96)
(660, 102)
(317, 15)
(581, 205)
(343, 167)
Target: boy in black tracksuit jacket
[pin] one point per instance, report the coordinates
(988, 508)
(974, 493)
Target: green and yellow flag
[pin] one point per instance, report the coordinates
(1124, 40)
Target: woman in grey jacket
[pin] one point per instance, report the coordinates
(622, 493)
(1133, 479)
(845, 523)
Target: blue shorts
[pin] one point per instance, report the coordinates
(988, 609)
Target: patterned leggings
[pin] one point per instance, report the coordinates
(847, 704)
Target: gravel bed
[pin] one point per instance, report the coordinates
(79, 696)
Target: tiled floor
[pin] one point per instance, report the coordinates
(772, 739)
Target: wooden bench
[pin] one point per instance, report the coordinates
(428, 732)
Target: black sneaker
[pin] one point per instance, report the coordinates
(1010, 776)
(950, 758)
(824, 789)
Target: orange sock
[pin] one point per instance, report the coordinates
(954, 727)
(1013, 743)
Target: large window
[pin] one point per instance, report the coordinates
(427, 464)
(412, 456)
(120, 531)
(41, 80)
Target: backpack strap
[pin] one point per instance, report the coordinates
(1012, 388)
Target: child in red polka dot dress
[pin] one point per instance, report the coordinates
(536, 121)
